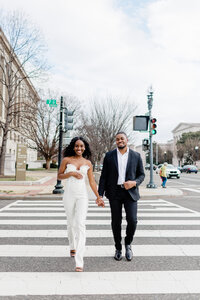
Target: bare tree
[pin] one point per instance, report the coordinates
(20, 61)
(105, 119)
(186, 146)
(42, 130)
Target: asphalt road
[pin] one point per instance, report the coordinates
(35, 262)
(189, 184)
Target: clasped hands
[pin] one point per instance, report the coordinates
(129, 184)
(100, 202)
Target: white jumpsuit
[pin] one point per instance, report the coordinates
(75, 200)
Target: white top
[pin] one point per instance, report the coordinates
(122, 163)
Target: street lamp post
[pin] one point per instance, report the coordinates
(196, 150)
(165, 156)
(59, 187)
(151, 184)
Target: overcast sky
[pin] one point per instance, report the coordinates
(121, 47)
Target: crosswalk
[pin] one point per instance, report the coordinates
(35, 261)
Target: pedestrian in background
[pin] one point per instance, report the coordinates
(74, 169)
(121, 176)
(163, 174)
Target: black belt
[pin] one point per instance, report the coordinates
(121, 186)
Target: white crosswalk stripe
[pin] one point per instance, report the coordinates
(98, 233)
(36, 230)
(192, 190)
(103, 214)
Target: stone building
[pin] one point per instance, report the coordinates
(24, 91)
(177, 132)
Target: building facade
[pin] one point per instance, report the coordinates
(177, 133)
(14, 83)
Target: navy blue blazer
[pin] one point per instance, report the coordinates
(109, 175)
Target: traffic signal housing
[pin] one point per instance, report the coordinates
(153, 126)
(68, 120)
(145, 145)
(140, 123)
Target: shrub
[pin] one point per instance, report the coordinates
(52, 165)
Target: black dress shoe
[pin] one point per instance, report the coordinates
(129, 253)
(118, 255)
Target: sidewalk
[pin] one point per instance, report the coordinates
(44, 185)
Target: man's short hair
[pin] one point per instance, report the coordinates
(121, 132)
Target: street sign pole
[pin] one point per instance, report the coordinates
(150, 104)
(59, 187)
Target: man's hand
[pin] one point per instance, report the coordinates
(100, 202)
(129, 184)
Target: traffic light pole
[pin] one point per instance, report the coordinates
(150, 104)
(59, 187)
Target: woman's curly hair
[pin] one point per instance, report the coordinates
(69, 150)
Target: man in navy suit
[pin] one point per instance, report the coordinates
(121, 175)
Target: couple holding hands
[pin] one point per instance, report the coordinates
(121, 175)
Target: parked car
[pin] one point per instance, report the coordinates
(147, 167)
(172, 171)
(189, 169)
(180, 169)
(158, 168)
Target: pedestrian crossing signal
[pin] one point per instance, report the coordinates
(145, 145)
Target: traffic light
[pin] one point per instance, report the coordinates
(68, 120)
(145, 145)
(153, 126)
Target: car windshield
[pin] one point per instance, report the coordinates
(170, 166)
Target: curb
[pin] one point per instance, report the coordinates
(170, 192)
(37, 197)
(25, 183)
(144, 192)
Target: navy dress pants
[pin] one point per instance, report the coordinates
(123, 198)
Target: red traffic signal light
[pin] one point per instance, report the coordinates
(153, 126)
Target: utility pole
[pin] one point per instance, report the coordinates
(59, 187)
(151, 184)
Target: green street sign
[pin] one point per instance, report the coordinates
(51, 101)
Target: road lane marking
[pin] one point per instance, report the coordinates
(96, 233)
(99, 283)
(45, 222)
(192, 190)
(100, 214)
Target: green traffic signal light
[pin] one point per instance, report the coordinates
(153, 131)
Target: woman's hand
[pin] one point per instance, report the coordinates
(77, 175)
(100, 202)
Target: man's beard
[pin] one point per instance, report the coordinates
(121, 147)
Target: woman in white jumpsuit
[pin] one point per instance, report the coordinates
(75, 169)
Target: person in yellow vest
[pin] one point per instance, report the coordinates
(163, 174)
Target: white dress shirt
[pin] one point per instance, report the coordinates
(122, 163)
